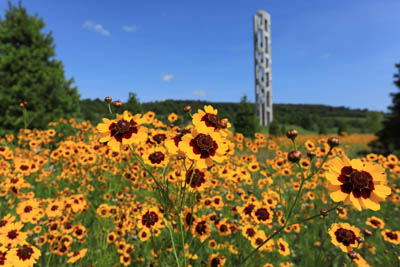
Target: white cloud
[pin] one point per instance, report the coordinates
(167, 77)
(129, 28)
(90, 25)
(200, 93)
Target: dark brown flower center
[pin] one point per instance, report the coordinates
(149, 219)
(189, 219)
(262, 214)
(28, 209)
(159, 138)
(392, 235)
(24, 167)
(346, 237)
(2, 258)
(204, 145)
(223, 228)
(197, 178)
(25, 253)
(375, 222)
(122, 126)
(250, 232)
(12, 234)
(201, 228)
(248, 209)
(359, 179)
(123, 129)
(204, 142)
(360, 183)
(215, 262)
(156, 157)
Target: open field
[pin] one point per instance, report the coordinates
(201, 197)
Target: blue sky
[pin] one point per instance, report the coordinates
(339, 53)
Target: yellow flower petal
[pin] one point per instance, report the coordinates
(370, 204)
(355, 202)
(338, 196)
(104, 139)
(382, 190)
(333, 178)
(102, 127)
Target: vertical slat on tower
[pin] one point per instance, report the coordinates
(262, 66)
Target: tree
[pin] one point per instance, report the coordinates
(245, 121)
(29, 72)
(274, 128)
(342, 127)
(389, 136)
(373, 122)
(133, 104)
(323, 128)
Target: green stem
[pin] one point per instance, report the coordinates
(144, 166)
(315, 216)
(292, 207)
(183, 238)
(173, 244)
(184, 188)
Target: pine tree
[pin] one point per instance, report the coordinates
(29, 72)
(389, 137)
(245, 120)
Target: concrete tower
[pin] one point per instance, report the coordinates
(262, 66)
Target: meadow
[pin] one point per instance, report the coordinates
(136, 191)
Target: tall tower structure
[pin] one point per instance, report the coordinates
(262, 66)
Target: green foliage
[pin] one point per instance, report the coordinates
(275, 128)
(308, 122)
(29, 72)
(133, 104)
(323, 128)
(389, 136)
(286, 114)
(373, 122)
(94, 110)
(342, 127)
(245, 120)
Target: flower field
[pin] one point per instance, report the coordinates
(135, 191)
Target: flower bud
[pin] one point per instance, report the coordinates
(386, 251)
(340, 209)
(21, 105)
(222, 123)
(352, 254)
(108, 99)
(367, 232)
(291, 134)
(187, 108)
(324, 212)
(294, 156)
(333, 142)
(179, 157)
(311, 154)
(117, 104)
